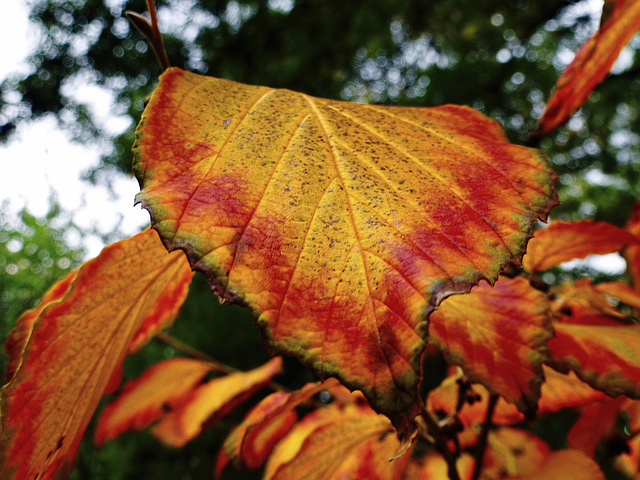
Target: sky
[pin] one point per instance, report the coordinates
(40, 160)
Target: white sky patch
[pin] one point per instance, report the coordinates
(610, 264)
(17, 37)
(41, 161)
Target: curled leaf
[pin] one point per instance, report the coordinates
(355, 436)
(251, 442)
(340, 225)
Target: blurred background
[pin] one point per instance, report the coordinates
(74, 76)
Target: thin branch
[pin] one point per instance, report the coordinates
(215, 365)
(157, 36)
(151, 32)
(484, 435)
(441, 445)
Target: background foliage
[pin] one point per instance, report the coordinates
(502, 58)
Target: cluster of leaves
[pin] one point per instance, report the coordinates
(344, 228)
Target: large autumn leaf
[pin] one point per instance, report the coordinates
(498, 336)
(591, 64)
(340, 225)
(75, 343)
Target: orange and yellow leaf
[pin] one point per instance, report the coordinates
(144, 400)
(340, 225)
(564, 241)
(513, 452)
(591, 64)
(356, 435)
(565, 465)
(632, 252)
(211, 401)
(607, 357)
(251, 442)
(498, 336)
(76, 343)
(19, 336)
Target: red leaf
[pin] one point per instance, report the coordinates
(434, 467)
(443, 400)
(566, 391)
(514, 452)
(338, 448)
(75, 345)
(19, 336)
(340, 225)
(632, 252)
(595, 421)
(564, 241)
(280, 426)
(211, 401)
(251, 442)
(565, 465)
(591, 64)
(606, 357)
(144, 400)
(498, 336)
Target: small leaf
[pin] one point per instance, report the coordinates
(211, 401)
(355, 432)
(144, 400)
(498, 336)
(434, 467)
(75, 345)
(443, 400)
(591, 64)
(632, 252)
(566, 391)
(251, 442)
(514, 452)
(584, 303)
(595, 421)
(280, 425)
(622, 292)
(564, 241)
(606, 357)
(565, 465)
(340, 225)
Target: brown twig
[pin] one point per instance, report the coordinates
(440, 442)
(213, 363)
(484, 435)
(151, 32)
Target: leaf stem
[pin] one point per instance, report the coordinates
(484, 436)
(215, 365)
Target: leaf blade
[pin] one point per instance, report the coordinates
(50, 399)
(311, 226)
